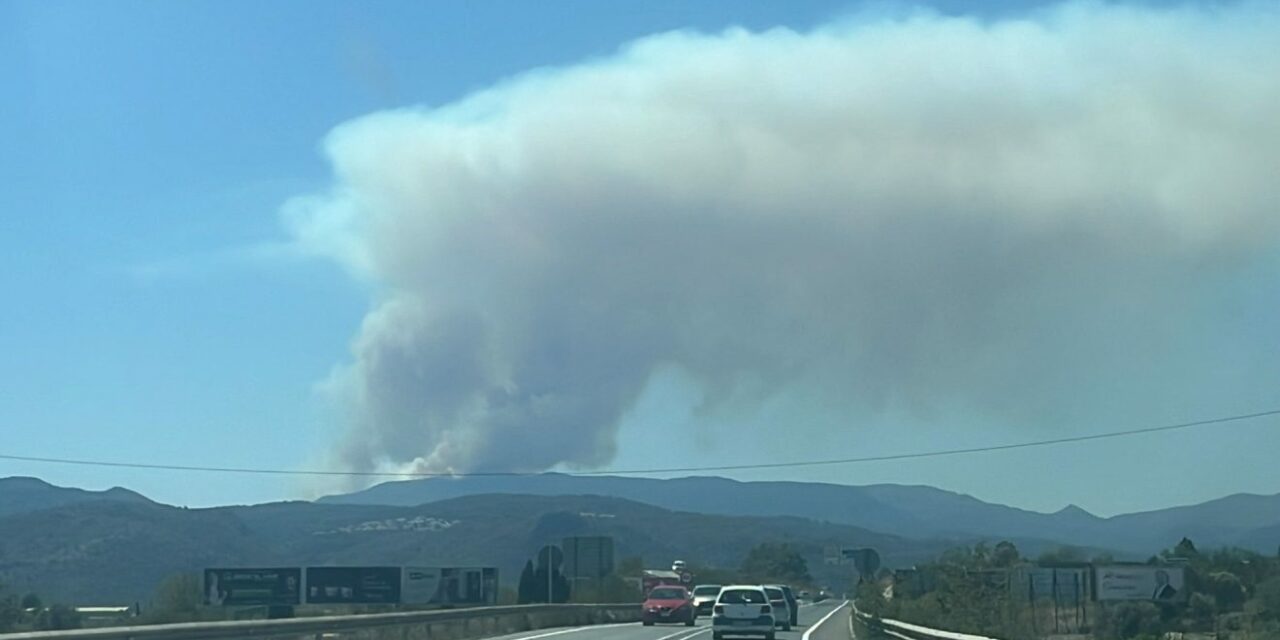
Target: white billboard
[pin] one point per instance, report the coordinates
(1135, 582)
(449, 585)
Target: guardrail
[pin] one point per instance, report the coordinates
(447, 624)
(907, 631)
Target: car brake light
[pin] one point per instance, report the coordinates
(719, 609)
(766, 609)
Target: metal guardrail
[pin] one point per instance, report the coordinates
(331, 624)
(907, 631)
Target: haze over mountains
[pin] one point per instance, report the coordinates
(112, 551)
(115, 546)
(919, 512)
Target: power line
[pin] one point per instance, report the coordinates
(654, 471)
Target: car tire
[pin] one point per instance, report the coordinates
(786, 627)
(716, 635)
(689, 622)
(769, 636)
(647, 623)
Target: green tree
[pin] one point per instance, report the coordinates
(630, 567)
(10, 611)
(1203, 608)
(1005, 555)
(1226, 589)
(57, 617)
(611, 589)
(177, 599)
(1266, 598)
(1062, 555)
(1185, 549)
(526, 590)
(965, 557)
(31, 601)
(703, 574)
(871, 599)
(775, 562)
(1129, 620)
(559, 586)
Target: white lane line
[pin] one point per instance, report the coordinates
(699, 631)
(817, 625)
(572, 630)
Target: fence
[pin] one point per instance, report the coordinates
(449, 624)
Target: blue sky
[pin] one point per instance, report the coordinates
(154, 310)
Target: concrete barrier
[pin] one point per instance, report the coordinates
(451, 624)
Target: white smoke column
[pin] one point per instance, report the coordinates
(887, 212)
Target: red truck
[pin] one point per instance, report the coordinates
(650, 578)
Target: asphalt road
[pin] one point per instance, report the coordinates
(833, 627)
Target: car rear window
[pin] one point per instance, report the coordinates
(667, 594)
(741, 596)
(774, 593)
(706, 591)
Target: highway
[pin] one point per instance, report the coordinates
(834, 626)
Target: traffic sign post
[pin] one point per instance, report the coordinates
(550, 557)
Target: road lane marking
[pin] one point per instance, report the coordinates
(572, 630)
(691, 634)
(817, 625)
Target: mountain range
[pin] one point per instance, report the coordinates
(109, 551)
(909, 511)
(116, 546)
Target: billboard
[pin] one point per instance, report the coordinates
(1061, 584)
(1140, 582)
(253, 586)
(587, 556)
(449, 585)
(353, 585)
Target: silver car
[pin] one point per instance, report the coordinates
(781, 608)
(704, 598)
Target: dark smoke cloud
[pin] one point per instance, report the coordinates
(894, 213)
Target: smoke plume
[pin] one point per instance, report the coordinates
(894, 212)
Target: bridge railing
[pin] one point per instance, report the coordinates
(448, 624)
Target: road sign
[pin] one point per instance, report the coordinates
(253, 586)
(552, 554)
(353, 585)
(866, 561)
(588, 556)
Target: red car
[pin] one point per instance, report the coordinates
(668, 603)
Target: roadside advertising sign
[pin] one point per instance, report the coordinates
(449, 585)
(253, 586)
(353, 585)
(1140, 582)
